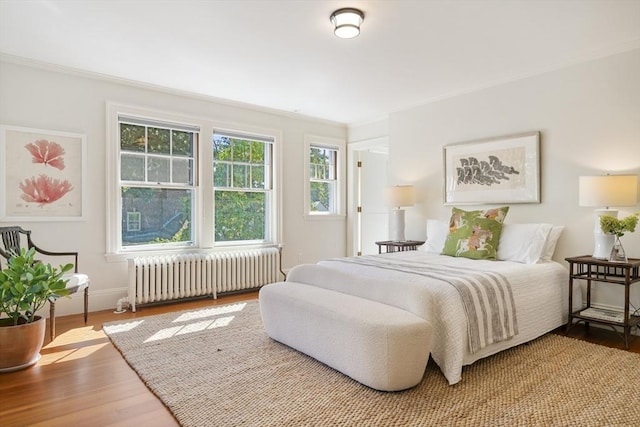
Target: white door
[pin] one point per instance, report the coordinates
(375, 212)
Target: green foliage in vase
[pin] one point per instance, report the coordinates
(613, 225)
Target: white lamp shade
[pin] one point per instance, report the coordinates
(608, 190)
(400, 195)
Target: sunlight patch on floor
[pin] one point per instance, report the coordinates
(190, 328)
(69, 355)
(122, 327)
(76, 335)
(210, 312)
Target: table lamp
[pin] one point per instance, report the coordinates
(602, 192)
(398, 197)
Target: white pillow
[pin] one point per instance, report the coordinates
(523, 243)
(437, 232)
(550, 244)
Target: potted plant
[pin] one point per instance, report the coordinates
(25, 287)
(617, 227)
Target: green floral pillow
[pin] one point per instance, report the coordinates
(475, 234)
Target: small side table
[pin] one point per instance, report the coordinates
(616, 273)
(400, 246)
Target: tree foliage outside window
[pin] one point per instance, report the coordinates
(157, 180)
(242, 188)
(322, 180)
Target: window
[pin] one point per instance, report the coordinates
(157, 182)
(242, 184)
(323, 195)
(323, 180)
(166, 190)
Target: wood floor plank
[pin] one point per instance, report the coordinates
(83, 380)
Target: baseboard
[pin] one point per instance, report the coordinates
(101, 299)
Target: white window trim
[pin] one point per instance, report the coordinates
(203, 219)
(340, 146)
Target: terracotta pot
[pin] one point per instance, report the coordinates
(20, 345)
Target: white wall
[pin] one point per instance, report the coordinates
(589, 119)
(42, 97)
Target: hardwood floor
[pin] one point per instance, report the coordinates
(82, 380)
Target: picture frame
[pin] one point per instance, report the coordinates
(42, 175)
(504, 169)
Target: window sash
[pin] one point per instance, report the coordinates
(323, 175)
(235, 173)
(165, 175)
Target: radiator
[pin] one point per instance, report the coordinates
(164, 278)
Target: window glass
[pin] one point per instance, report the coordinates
(159, 140)
(182, 143)
(166, 214)
(132, 137)
(241, 188)
(240, 215)
(158, 169)
(322, 180)
(132, 168)
(157, 189)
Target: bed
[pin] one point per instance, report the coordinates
(537, 288)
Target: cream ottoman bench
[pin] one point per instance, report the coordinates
(380, 346)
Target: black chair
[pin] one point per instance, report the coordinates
(11, 244)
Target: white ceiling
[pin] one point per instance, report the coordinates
(283, 54)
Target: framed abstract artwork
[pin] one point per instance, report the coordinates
(497, 170)
(42, 175)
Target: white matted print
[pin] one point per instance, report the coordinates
(497, 170)
(42, 175)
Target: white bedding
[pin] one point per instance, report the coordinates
(539, 292)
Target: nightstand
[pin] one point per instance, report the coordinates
(597, 270)
(393, 246)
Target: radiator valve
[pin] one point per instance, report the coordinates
(121, 304)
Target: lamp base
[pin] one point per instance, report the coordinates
(396, 225)
(603, 242)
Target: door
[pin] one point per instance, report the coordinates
(374, 218)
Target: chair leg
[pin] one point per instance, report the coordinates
(86, 304)
(52, 319)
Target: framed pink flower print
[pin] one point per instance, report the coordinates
(42, 175)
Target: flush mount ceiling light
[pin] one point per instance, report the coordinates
(347, 22)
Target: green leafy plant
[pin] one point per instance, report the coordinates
(27, 284)
(613, 225)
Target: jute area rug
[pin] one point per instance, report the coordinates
(217, 367)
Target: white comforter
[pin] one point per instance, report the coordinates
(539, 292)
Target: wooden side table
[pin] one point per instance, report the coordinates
(394, 246)
(597, 270)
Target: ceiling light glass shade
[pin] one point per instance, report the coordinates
(347, 22)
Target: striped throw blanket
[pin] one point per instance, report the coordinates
(486, 296)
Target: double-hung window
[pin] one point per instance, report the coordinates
(157, 182)
(323, 163)
(177, 182)
(243, 187)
